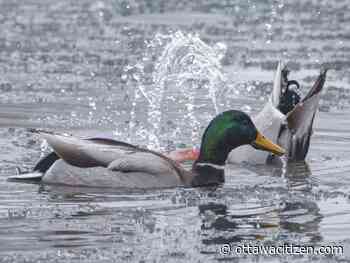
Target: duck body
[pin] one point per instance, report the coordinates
(101, 162)
(64, 174)
(286, 119)
(109, 163)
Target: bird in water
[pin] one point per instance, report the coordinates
(99, 162)
(286, 119)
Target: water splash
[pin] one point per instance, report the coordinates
(186, 58)
(176, 67)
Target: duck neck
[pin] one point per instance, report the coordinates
(208, 168)
(213, 153)
(207, 174)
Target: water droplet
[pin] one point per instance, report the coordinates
(268, 26)
(124, 77)
(136, 77)
(92, 104)
(247, 108)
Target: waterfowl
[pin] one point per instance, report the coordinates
(286, 119)
(100, 162)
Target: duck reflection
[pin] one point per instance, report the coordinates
(291, 216)
(297, 174)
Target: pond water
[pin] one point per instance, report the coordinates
(154, 73)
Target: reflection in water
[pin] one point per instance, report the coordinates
(298, 176)
(296, 218)
(201, 219)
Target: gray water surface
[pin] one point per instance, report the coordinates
(74, 66)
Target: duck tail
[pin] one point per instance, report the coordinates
(40, 168)
(300, 121)
(35, 176)
(38, 171)
(46, 162)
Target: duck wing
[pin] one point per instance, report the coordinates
(85, 153)
(269, 121)
(292, 131)
(111, 154)
(277, 85)
(296, 136)
(45, 162)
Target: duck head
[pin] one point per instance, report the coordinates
(224, 133)
(228, 131)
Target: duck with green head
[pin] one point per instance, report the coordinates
(228, 131)
(286, 119)
(101, 162)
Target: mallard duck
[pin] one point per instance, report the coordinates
(286, 119)
(100, 162)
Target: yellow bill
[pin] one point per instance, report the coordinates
(262, 143)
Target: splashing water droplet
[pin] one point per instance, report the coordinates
(43, 148)
(268, 26)
(92, 104)
(124, 77)
(184, 64)
(247, 108)
(187, 63)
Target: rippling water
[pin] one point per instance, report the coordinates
(154, 73)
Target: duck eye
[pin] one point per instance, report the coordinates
(245, 122)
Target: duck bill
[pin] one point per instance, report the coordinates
(262, 143)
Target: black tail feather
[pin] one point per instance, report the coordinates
(45, 163)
